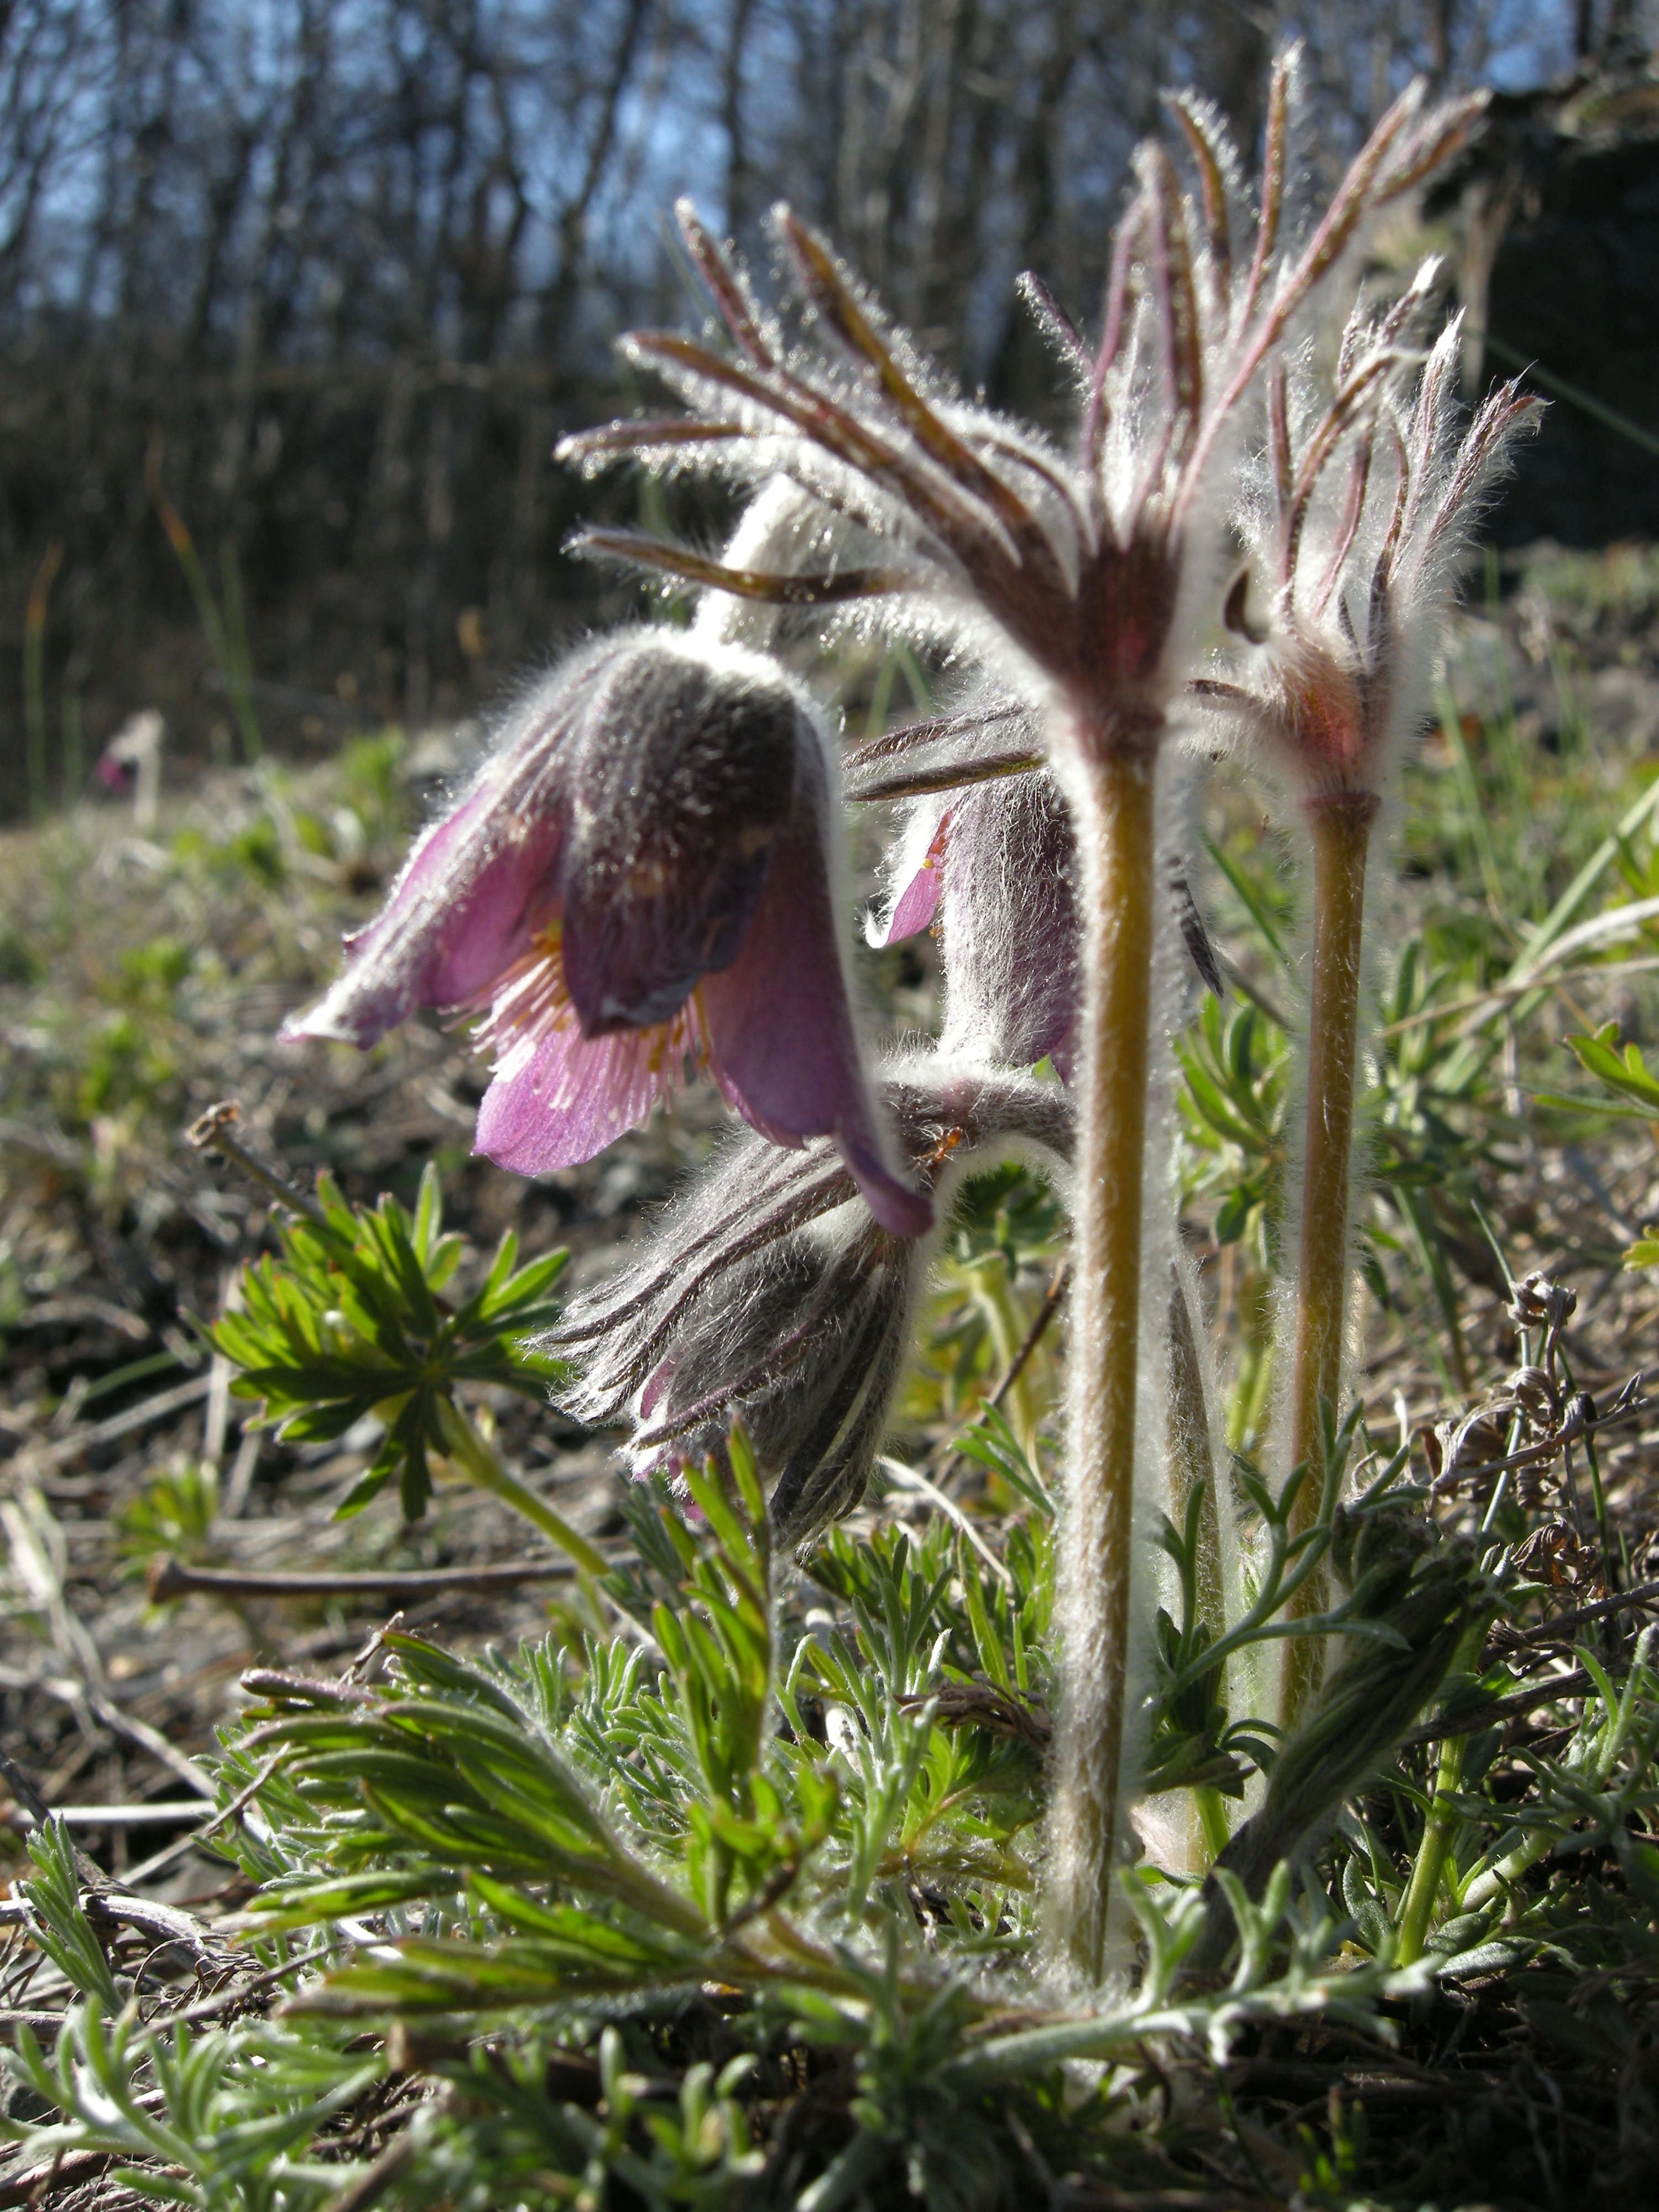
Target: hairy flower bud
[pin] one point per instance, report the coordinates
(770, 1294)
(640, 875)
(1366, 506)
(992, 870)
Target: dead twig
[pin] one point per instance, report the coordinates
(160, 1812)
(169, 1578)
(117, 1427)
(210, 1133)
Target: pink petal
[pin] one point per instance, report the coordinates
(564, 1099)
(918, 866)
(918, 903)
(480, 881)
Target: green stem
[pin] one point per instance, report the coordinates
(1192, 1460)
(1340, 827)
(1211, 1809)
(1417, 1909)
(1192, 1466)
(484, 1468)
(1593, 1761)
(1114, 806)
(1438, 1829)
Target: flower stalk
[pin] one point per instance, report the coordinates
(484, 1467)
(1340, 828)
(1114, 800)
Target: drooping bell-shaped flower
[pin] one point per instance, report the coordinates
(769, 1293)
(640, 877)
(991, 867)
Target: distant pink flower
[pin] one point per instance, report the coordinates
(638, 878)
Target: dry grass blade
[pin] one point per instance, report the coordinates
(168, 1578)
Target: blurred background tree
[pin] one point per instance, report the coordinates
(321, 282)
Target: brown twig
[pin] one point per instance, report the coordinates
(63, 2168)
(169, 1578)
(119, 1425)
(1550, 1690)
(210, 1133)
(1643, 1593)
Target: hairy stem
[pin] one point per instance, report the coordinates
(1340, 828)
(484, 1467)
(1115, 810)
(1192, 1459)
(1192, 1466)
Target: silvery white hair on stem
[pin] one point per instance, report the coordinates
(1357, 516)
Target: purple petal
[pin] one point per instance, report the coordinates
(918, 903)
(461, 911)
(480, 881)
(921, 881)
(781, 1031)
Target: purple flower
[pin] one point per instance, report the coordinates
(638, 878)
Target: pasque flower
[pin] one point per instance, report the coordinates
(991, 868)
(769, 1293)
(1363, 510)
(640, 875)
(1078, 580)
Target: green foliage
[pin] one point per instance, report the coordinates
(57, 1919)
(349, 1319)
(212, 2121)
(174, 1513)
(1626, 1077)
(741, 1916)
(1006, 1232)
(1232, 1112)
